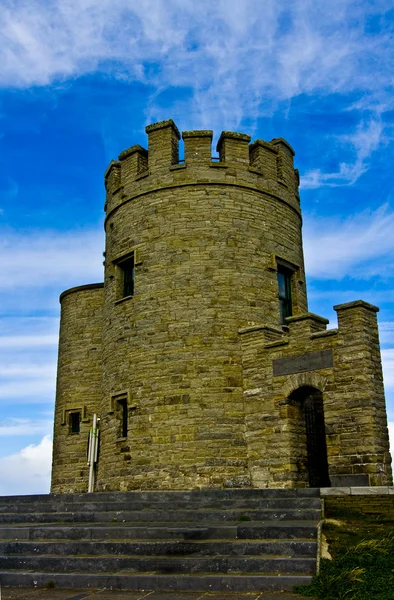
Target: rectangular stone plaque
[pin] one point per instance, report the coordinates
(312, 361)
(349, 481)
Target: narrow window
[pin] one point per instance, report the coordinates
(75, 422)
(123, 414)
(284, 288)
(127, 267)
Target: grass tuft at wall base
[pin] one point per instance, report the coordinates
(363, 561)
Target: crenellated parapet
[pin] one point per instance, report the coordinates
(264, 165)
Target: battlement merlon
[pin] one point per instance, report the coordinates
(263, 157)
(283, 146)
(306, 324)
(233, 147)
(198, 146)
(112, 177)
(358, 318)
(163, 144)
(285, 163)
(134, 162)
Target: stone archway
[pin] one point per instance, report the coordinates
(298, 380)
(312, 435)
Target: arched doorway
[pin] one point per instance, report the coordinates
(310, 402)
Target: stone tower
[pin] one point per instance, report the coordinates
(198, 352)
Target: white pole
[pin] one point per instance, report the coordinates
(92, 453)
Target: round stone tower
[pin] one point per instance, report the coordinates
(193, 250)
(78, 390)
(198, 352)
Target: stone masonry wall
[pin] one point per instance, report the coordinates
(352, 389)
(341, 502)
(205, 237)
(78, 384)
(360, 505)
(191, 356)
(360, 432)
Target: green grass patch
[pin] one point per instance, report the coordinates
(362, 548)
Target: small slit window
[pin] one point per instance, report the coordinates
(284, 290)
(123, 417)
(127, 268)
(75, 422)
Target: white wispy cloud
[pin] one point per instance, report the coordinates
(238, 59)
(27, 373)
(42, 258)
(363, 143)
(317, 294)
(27, 471)
(28, 360)
(219, 50)
(23, 427)
(25, 341)
(386, 332)
(15, 329)
(30, 371)
(38, 265)
(388, 367)
(31, 390)
(354, 246)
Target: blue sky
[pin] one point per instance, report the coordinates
(80, 79)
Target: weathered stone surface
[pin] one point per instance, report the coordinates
(311, 361)
(191, 351)
(350, 480)
(78, 383)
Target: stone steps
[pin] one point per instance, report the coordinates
(154, 516)
(161, 531)
(286, 548)
(236, 540)
(131, 505)
(201, 582)
(199, 496)
(158, 564)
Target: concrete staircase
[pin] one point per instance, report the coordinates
(235, 540)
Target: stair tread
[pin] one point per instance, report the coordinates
(163, 575)
(152, 541)
(189, 510)
(161, 556)
(208, 493)
(162, 582)
(106, 524)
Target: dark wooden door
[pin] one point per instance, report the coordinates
(316, 441)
